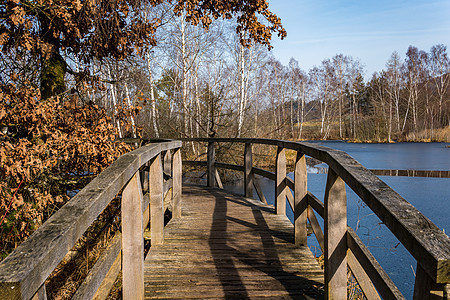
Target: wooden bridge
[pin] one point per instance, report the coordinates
(220, 245)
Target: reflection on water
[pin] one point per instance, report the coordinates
(429, 195)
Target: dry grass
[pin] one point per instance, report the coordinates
(436, 135)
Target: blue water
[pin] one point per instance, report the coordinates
(429, 195)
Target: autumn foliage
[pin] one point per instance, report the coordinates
(50, 148)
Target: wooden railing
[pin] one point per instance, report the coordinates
(138, 177)
(341, 246)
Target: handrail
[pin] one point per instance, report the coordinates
(24, 271)
(423, 239)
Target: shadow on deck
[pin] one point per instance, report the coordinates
(227, 246)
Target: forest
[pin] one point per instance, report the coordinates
(77, 76)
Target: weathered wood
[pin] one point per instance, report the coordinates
(384, 285)
(280, 185)
(229, 166)
(290, 198)
(167, 167)
(48, 245)
(227, 246)
(109, 280)
(248, 165)
(132, 239)
(218, 180)
(210, 176)
(259, 190)
(97, 274)
(264, 173)
(316, 228)
(335, 223)
(422, 285)
(361, 277)
(156, 201)
(316, 204)
(41, 294)
(177, 184)
(301, 202)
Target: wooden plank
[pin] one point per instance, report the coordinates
(41, 294)
(335, 222)
(248, 165)
(264, 173)
(300, 200)
(280, 185)
(229, 166)
(210, 177)
(218, 180)
(22, 276)
(132, 239)
(422, 285)
(316, 204)
(97, 274)
(259, 190)
(316, 228)
(361, 277)
(177, 184)
(167, 167)
(384, 285)
(227, 246)
(110, 278)
(156, 201)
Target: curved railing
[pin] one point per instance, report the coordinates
(139, 177)
(341, 246)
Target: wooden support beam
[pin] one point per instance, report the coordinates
(41, 294)
(97, 275)
(248, 164)
(361, 277)
(423, 285)
(259, 190)
(177, 184)
(316, 228)
(218, 180)
(156, 201)
(335, 222)
(167, 162)
(280, 184)
(300, 200)
(132, 240)
(210, 174)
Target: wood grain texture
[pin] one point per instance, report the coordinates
(226, 246)
(248, 164)
(335, 223)
(300, 200)
(280, 184)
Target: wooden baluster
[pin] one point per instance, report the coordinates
(210, 176)
(422, 285)
(41, 294)
(300, 200)
(132, 240)
(168, 162)
(280, 185)
(248, 165)
(335, 223)
(177, 184)
(156, 201)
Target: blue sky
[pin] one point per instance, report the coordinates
(366, 30)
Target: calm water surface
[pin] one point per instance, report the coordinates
(429, 195)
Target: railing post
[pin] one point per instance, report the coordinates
(300, 200)
(132, 240)
(210, 176)
(176, 183)
(422, 285)
(280, 184)
(168, 162)
(335, 223)
(248, 165)
(156, 201)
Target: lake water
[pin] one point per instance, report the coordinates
(429, 195)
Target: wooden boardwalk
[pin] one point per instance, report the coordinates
(227, 246)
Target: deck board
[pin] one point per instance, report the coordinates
(227, 246)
